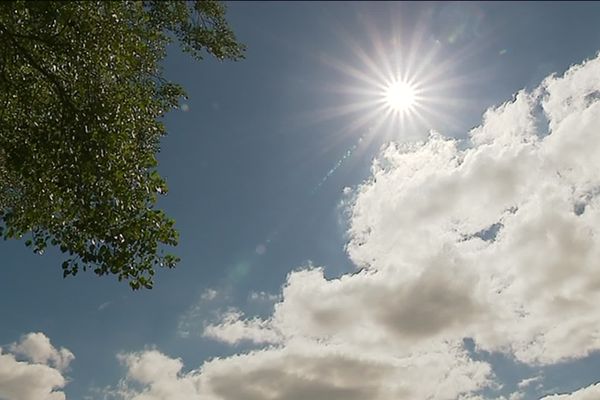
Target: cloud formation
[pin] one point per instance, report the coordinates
(33, 369)
(303, 370)
(232, 329)
(497, 241)
(589, 393)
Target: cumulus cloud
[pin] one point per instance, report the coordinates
(159, 376)
(497, 241)
(33, 369)
(233, 329)
(303, 370)
(37, 348)
(516, 215)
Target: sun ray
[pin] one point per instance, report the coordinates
(393, 85)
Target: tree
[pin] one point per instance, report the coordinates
(82, 95)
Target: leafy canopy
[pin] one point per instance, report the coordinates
(82, 94)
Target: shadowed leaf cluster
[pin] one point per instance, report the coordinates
(82, 95)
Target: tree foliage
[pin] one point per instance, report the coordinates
(82, 95)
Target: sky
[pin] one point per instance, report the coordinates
(336, 244)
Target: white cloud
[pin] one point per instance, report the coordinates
(529, 381)
(498, 242)
(37, 348)
(159, 375)
(232, 329)
(517, 213)
(39, 376)
(303, 370)
(589, 393)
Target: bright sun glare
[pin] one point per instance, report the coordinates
(395, 85)
(400, 96)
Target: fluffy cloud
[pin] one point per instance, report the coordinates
(232, 329)
(497, 241)
(37, 348)
(514, 216)
(159, 375)
(302, 370)
(39, 375)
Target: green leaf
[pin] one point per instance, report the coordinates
(82, 96)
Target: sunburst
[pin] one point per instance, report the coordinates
(395, 86)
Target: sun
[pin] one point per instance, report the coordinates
(400, 96)
(395, 84)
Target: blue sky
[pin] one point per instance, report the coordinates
(270, 170)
